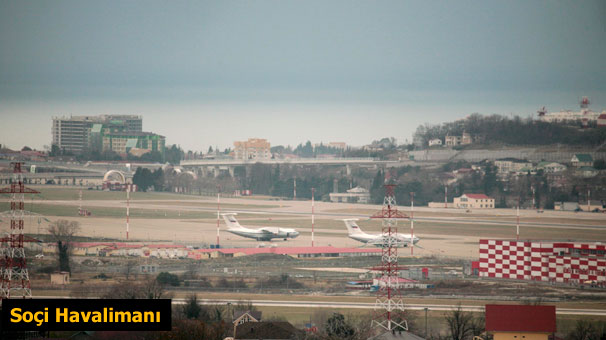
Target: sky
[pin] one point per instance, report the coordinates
(207, 73)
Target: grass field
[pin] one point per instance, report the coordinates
(66, 193)
(72, 211)
(212, 205)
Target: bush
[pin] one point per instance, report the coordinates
(168, 279)
(282, 281)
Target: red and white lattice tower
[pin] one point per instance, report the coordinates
(389, 306)
(14, 278)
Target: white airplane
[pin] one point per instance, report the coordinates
(403, 240)
(260, 234)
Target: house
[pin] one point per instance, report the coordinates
(241, 317)
(520, 321)
(509, 165)
(557, 180)
(551, 167)
(465, 138)
(452, 140)
(435, 141)
(266, 330)
(581, 159)
(587, 172)
(525, 171)
(602, 119)
(475, 201)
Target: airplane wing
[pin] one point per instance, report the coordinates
(269, 230)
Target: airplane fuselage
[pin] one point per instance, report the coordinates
(259, 234)
(402, 240)
(280, 233)
(355, 233)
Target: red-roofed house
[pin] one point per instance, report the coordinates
(520, 321)
(602, 120)
(474, 201)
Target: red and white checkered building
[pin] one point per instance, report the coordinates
(561, 262)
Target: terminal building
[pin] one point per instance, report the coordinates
(585, 115)
(555, 262)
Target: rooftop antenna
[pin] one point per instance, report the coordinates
(584, 102)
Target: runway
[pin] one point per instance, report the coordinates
(357, 305)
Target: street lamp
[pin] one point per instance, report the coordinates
(426, 309)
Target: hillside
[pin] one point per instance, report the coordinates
(496, 129)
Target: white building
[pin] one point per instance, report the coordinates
(452, 140)
(475, 201)
(435, 141)
(585, 115)
(464, 139)
(563, 116)
(505, 166)
(551, 167)
(355, 195)
(254, 148)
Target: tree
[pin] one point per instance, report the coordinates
(158, 179)
(192, 309)
(462, 325)
(583, 330)
(63, 232)
(376, 190)
(55, 151)
(128, 268)
(143, 178)
(336, 327)
(147, 289)
(168, 279)
(174, 154)
(599, 164)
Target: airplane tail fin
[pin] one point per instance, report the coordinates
(352, 226)
(230, 220)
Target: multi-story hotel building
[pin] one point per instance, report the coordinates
(73, 134)
(254, 148)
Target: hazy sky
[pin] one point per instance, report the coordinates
(208, 73)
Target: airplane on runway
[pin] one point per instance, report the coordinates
(260, 234)
(403, 240)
